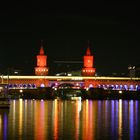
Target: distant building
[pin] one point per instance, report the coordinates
(72, 67)
(13, 71)
(70, 73)
(131, 71)
(137, 71)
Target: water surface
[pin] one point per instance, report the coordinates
(71, 120)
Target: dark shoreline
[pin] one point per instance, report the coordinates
(92, 94)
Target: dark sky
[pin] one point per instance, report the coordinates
(113, 29)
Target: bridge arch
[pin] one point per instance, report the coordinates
(65, 85)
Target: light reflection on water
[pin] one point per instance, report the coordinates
(71, 120)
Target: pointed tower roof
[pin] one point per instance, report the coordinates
(41, 49)
(88, 52)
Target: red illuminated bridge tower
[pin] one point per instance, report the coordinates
(88, 69)
(41, 69)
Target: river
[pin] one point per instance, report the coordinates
(71, 120)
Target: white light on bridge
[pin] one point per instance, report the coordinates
(20, 90)
(120, 91)
(87, 89)
(76, 78)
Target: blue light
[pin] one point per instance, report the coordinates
(121, 87)
(131, 87)
(137, 87)
(116, 86)
(125, 87)
(34, 86)
(24, 85)
(20, 85)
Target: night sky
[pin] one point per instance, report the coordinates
(113, 29)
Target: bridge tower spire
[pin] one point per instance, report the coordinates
(41, 69)
(88, 67)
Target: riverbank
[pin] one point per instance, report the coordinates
(96, 94)
(39, 93)
(92, 94)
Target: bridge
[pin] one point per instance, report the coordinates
(87, 80)
(116, 83)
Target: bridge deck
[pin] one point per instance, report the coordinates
(70, 78)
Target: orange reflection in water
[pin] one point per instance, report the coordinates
(2, 124)
(77, 117)
(55, 120)
(20, 117)
(87, 119)
(39, 120)
(1, 127)
(120, 120)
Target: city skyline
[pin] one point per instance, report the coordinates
(113, 31)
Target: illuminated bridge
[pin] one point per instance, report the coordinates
(87, 80)
(116, 83)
